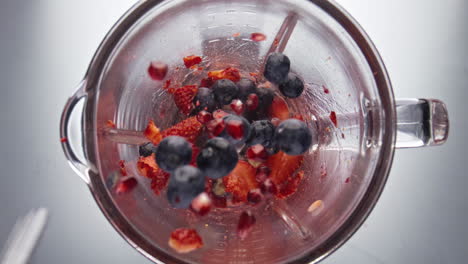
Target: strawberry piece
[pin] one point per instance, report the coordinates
(290, 187)
(283, 167)
(184, 240)
(189, 128)
(153, 133)
(183, 98)
(147, 167)
(230, 73)
(110, 124)
(240, 181)
(279, 109)
(189, 61)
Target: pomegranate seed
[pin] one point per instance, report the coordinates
(268, 186)
(189, 61)
(201, 204)
(257, 153)
(333, 118)
(204, 117)
(126, 185)
(275, 121)
(237, 106)
(63, 140)
(157, 70)
(325, 89)
(219, 114)
(255, 196)
(235, 129)
(257, 37)
(262, 174)
(215, 127)
(245, 224)
(347, 180)
(252, 102)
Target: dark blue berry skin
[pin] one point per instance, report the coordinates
(204, 100)
(173, 152)
(225, 91)
(292, 87)
(245, 125)
(246, 87)
(293, 137)
(277, 68)
(265, 98)
(217, 158)
(186, 183)
(261, 132)
(147, 149)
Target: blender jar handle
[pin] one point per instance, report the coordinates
(421, 123)
(66, 121)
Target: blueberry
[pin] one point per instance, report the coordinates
(292, 87)
(146, 149)
(173, 152)
(261, 132)
(217, 158)
(246, 87)
(186, 183)
(225, 91)
(265, 98)
(277, 68)
(204, 100)
(237, 129)
(293, 137)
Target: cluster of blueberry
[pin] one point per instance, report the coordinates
(229, 132)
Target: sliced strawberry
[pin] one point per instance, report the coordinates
(153, 133)
(291, 185)
(283, 168)
(184, 240)
(189, 61)
(279, 109)
(230, 73)
(110, 124)
(159, 181)
(183, 98)
(147, 167)
(240, 181)
(189, 128)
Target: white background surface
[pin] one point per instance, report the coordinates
(46, 45)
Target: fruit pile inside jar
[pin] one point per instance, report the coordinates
(239, 145)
